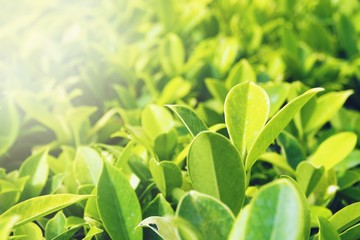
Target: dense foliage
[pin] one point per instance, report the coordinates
(194, 119)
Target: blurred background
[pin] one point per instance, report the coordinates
(72, 72)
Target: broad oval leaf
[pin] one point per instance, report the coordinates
(334, 149)
(36, 168)
(239, 73)
(55, 226)
(118, 205)
(215, 168)
(189, 118)
(246, 111)
(166, 174)
(156, 120)
(29, 231)
(278, 211)
(38, 207)
(276, 124)
(211, 218)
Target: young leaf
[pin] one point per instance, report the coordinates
(308, 176)
(246, 111)
(326, 230)
(277, 95)
(217, 89)
(291, 148)
(55, 226)
(278, 211)
(118, 205)
(334, 149)
(156, 120)
(6, 225)
(215, 168)
(28, 231)
(158, 207)
(174, 90)
(326, 106)
(346, 217)
(166, 174)
(276, 124)
(92, 233)
(211, 218)
(189, 118)
(240, 73)
(38, 207)
(351, 233)
(168, 227)
(87, 165)
(165, 144)
(172, 54)
(37, 169)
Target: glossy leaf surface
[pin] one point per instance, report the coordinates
(215, 168)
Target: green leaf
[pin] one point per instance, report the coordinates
(172, 54)
(38, 207)
(87, 165)
(68, 234)
(225, 54)
(189, 118)
(240, 73)
(291, 148)
(334, 149)
(118, 205)
(36, 167)
(6, 225)
(174, 90)
(351, 233)
(347, 35)
(246, 111)
(278, 211)
(215, 168)
(276, 160)
(158, 207)
(276, 124)
(169, 227)
(166, 174)
(217, 89)
(316, 212)
(166, 12)
(346, 217)
(348, 178)
(326, 106)
(10, 125)
(211, 218)
(156, 120)
(308, 176)
(92, 233)
(277, 95)
(55, 226)
(165, 145)
(327, 231)
(29, 231)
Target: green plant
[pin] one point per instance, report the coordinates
(187, 119)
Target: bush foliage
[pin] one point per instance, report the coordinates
(194, 119)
